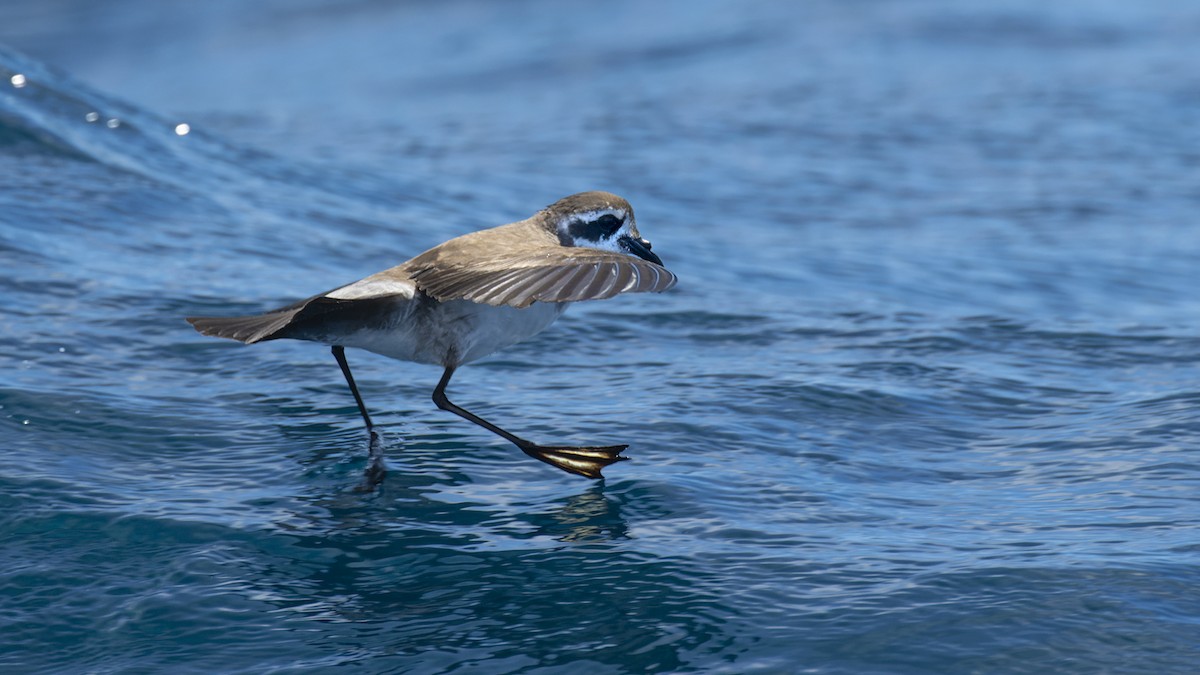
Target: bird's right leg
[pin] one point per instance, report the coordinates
(584, 461)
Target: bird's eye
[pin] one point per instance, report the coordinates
(607, 223)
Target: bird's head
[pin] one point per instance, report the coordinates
(599, 220)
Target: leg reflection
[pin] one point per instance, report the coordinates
(376, 469)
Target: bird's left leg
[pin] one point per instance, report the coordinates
(376, 469)
(339, 353)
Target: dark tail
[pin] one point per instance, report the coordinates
(311, 319)
(248, 329)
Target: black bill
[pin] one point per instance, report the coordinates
(640, 248)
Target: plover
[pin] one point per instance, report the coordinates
(475, 294)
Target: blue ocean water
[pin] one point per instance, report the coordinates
(926, 399)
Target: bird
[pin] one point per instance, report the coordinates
(473, 295)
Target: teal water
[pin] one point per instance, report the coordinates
(926, 399)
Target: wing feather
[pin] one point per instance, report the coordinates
(626, 274)
(601, 285)
(549, 285)
(651, 284)
(581, 277)
(527, 286)
(543, 276)
(499, 288)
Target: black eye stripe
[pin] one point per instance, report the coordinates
(608, 220)
(595, 230)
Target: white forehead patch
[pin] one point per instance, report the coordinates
(588, 216)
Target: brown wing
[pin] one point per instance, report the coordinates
(518, 281)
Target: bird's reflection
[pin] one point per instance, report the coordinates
(587, 517)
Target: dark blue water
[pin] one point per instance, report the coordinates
(926, 399)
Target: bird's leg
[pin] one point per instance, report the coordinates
(376, 469)
(584, 461)
(339, 353)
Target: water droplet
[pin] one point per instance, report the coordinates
(182, 129)
(62, 350)
(113, 123)
(26, 422)
(92, 117)
(18, 80)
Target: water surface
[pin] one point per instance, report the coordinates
(926, 397)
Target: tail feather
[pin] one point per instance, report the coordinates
(248, 329)
(314, 318)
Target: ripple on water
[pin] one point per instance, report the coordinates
(923, 401)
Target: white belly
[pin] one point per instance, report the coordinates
(454, 332)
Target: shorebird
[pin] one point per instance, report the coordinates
(472, 295)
